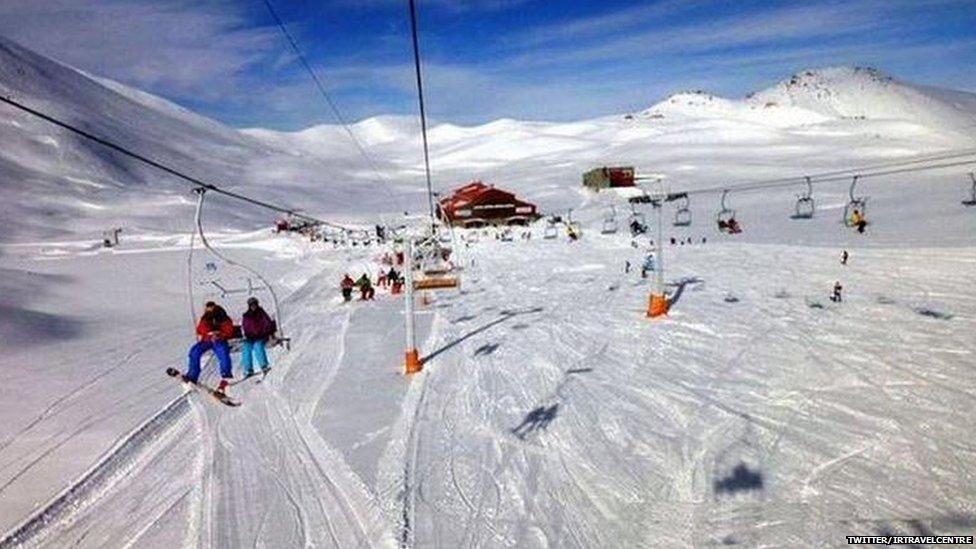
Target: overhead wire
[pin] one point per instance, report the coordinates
(423, 113)
(303, 60)
(868, 171)
(196, 182)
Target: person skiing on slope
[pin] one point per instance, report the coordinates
(396, 281)
(347, 285)
(365, 286)
(258, 328)
(648, 266)
(836, 297)
(843, 258)
(213, 331)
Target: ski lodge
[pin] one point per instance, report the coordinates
(603, 178)
(479, 205)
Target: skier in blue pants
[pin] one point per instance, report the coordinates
(258, 327)
(213, 331)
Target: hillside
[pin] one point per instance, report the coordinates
(56, 186)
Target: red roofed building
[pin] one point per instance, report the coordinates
(477, 205)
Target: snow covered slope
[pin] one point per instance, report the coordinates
(55, 184)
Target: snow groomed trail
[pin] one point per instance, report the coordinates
(552, 413)
(564, 418)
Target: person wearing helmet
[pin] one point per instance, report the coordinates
(213, 331)
(258, 327)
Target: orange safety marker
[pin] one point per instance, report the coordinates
(657, 305)
(412, 363)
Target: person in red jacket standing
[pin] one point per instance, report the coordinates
(213, 331)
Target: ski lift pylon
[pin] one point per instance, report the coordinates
(805, 206)
(856, 203)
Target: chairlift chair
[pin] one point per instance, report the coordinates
(435, 270)
(682, 215)
(805, 206)
(971, 201)
(725, 213)
(238, 283)
(610, 222)
(550, 232)
(856, 203)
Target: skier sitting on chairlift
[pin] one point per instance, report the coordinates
(347, 285)
(257, 327)
(213, 331)
(858, 221)
(731, 226)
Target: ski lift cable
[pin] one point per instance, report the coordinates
(201, 193)
(824, 178)
(197, 183)
(423, 112)
(846, 173)
(323, 92)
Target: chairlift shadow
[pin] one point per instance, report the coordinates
(537, 419)
(504, 316)
(681, 285)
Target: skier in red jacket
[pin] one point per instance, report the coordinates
(213, 331)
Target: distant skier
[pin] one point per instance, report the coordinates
(396, 281)
(213, 331)
(843, 258)
(836, 296)
(257, 327)
(627, 266)
(366, 291)
(648, 266)
(346, 286)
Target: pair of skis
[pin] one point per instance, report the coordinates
(219, 396)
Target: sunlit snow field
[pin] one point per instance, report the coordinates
(551, 412)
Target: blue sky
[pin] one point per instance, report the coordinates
(486, 59)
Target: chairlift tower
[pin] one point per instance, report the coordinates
(657, 303)
(412, 363)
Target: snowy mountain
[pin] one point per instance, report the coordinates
(864, 93)
(54, 184)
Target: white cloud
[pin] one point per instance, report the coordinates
(178, 48)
